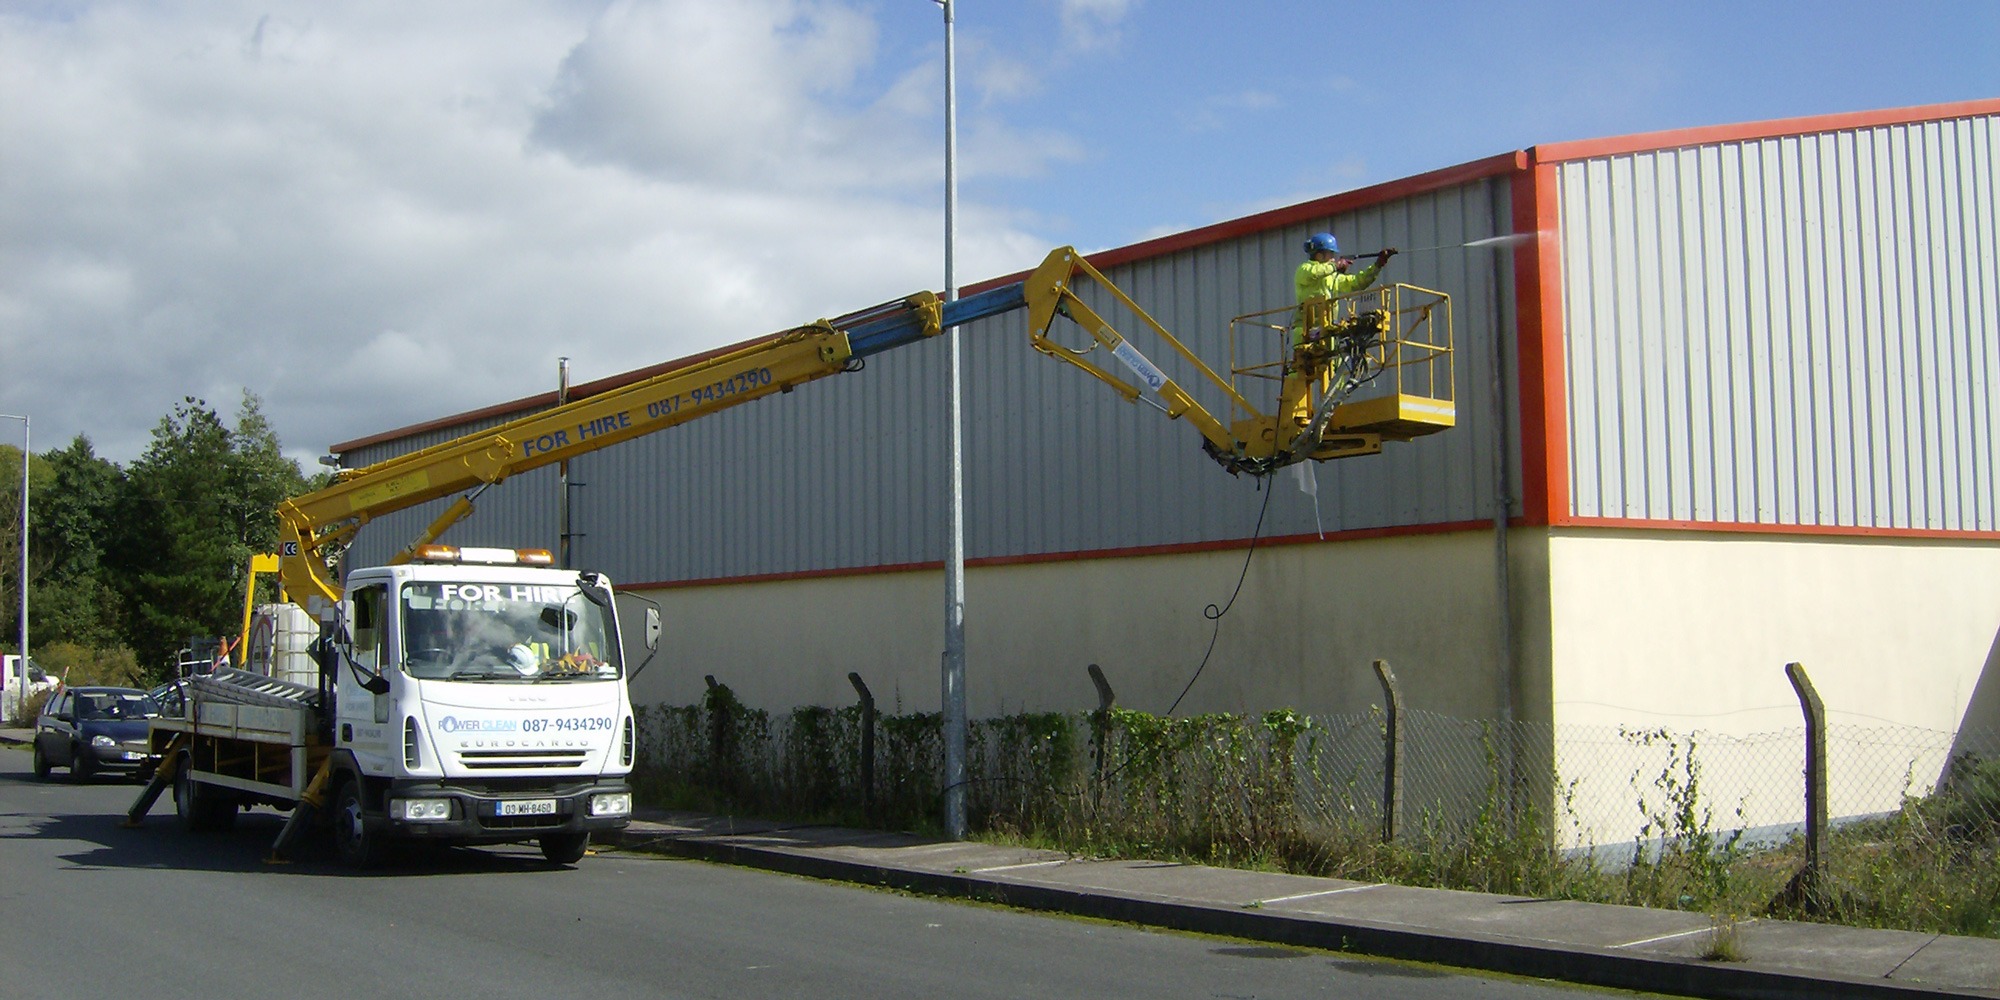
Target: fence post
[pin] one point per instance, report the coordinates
(1392, 752)
(1803, 888)
(718, 736)
(1100, 720)
(867, 744)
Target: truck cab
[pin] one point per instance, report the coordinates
(478, 696)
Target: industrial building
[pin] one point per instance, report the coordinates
(1731, 406)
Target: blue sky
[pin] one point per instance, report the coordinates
(1183, 116)
(374, 214)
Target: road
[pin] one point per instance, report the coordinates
(90, 908)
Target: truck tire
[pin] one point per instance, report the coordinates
(351, 841)
(200, 807)
(565, 848)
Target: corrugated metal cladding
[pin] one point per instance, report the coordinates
(518, 513)
(1800, 330)
(849, 472)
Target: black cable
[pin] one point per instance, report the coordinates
(1214, 614)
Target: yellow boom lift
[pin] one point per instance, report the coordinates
(1280, 406)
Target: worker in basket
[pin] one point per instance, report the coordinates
(1326, 275)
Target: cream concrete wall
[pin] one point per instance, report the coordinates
(1302, 634)
(1682, 629)
(1690, 632)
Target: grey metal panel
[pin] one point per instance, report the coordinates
(1794, 330)
(849, 472)
(519, 512)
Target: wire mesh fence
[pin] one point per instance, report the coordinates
(1658, 816)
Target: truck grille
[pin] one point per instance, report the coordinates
(487, 760)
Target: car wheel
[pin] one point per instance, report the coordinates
(41, 763)
(351, 840)
(565, 848)
(82, 766)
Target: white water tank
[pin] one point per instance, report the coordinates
(281, 637)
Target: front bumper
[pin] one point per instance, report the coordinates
(477, 811)
(122, 757)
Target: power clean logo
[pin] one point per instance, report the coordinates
(454, 724)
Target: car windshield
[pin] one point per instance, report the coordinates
(95, 706)
(504, 632)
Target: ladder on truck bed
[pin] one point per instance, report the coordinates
(253, 734)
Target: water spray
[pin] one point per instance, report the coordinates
(1489, 243)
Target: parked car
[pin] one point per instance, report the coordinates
(92, 729)
(172, 699)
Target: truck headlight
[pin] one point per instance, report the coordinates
(102, 740)
(421, 810)
(611, 804)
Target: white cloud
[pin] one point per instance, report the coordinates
(1094, 24)
(1219, 110)
(378, 214)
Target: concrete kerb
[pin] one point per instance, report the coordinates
(1018, 886)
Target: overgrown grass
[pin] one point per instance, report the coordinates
(1273, 792)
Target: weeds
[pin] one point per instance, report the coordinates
(1303, 794)
(1725, 940)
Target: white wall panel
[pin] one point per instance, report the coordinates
(1798, 330)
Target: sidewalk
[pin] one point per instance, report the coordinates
(1589, 943)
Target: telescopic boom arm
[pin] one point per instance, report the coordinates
(314, 529)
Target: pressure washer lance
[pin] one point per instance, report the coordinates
(1492, 242)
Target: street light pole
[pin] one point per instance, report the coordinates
(21, 691)
(954, 571)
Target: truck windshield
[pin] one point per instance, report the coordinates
(504, 632)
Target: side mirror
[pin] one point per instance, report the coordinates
(376, 684)
(592, 585)
(650, 630)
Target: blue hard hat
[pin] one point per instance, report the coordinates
(1322, 241)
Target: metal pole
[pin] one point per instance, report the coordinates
(954, 571)
(562, 473)
(21, 690)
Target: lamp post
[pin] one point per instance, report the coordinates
(21, 691)
(954, 569)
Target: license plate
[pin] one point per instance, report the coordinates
(528, 807)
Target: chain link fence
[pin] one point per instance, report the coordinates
(1656, 816)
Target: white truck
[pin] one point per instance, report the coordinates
(468, 696)
(19, 687)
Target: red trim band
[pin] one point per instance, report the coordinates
(1774, 129)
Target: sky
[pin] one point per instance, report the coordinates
(374, 214)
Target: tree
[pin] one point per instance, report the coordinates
(39, 478)
(195, 506)
(71, 600)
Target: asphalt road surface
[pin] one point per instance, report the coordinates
(89, 908)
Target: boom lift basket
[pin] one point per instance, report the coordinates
(1399, 331)
(1380, 358)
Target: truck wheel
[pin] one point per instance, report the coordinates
(565, 848)
(41, 763)
(200, 808)
(351, 842)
